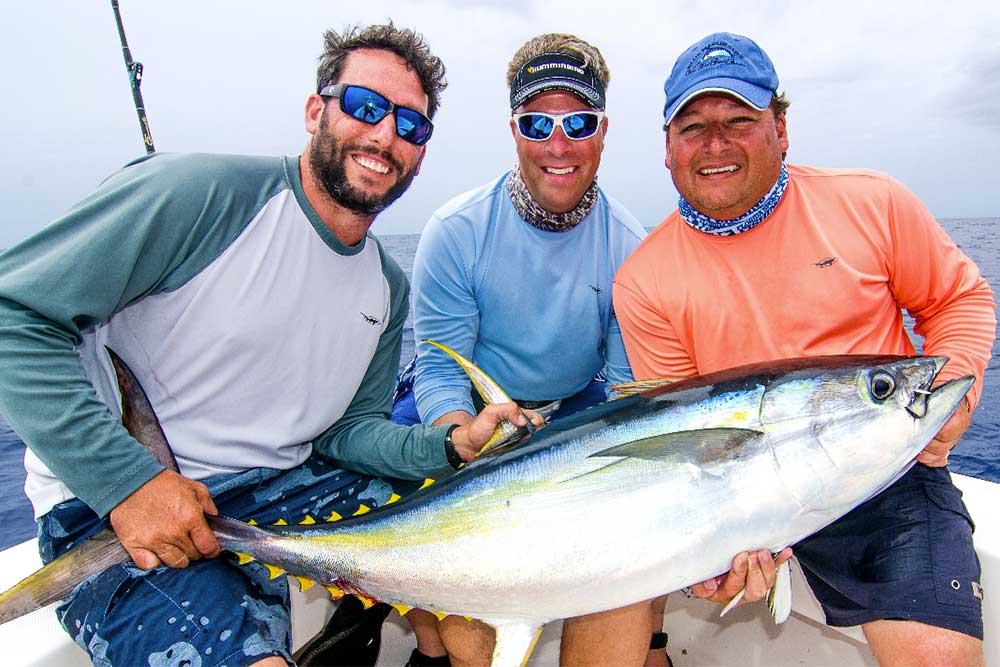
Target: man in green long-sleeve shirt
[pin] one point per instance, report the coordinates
(263, 321)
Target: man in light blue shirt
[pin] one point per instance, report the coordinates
(516, 276)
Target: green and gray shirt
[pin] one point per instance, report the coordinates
(257, 335)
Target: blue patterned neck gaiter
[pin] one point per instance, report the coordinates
(756, 215)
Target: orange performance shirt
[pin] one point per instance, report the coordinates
(826, 273)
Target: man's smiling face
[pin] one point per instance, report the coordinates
(559, 170)
(723, 155)
(363, 167)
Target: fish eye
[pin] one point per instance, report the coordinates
(882, 385)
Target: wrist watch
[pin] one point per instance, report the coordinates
(450, 453)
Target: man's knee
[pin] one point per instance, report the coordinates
(619, 637)
(469, 643)
(912, 644)
(273, 661)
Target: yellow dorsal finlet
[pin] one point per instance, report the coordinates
(305, 584)
(308, 521)
(280, 522)
(273, 571)
(401, 608)
(366, 601)
(244, 558)
(335, 592)
(427, 482)
(393, 498)
(362, 509)
(334, 516)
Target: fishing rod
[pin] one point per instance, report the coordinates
(135, 80)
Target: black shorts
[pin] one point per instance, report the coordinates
(906, 554)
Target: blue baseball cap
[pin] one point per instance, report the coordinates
(724, 63)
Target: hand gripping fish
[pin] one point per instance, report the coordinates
(620, 503)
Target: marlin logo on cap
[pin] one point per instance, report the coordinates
(717, 53)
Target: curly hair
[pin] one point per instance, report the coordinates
(555, 42)
(405, 43)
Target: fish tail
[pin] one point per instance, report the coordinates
(237, 536)
(58, 579)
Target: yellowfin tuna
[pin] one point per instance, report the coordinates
(625, 501)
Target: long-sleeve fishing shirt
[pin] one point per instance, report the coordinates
(826, 273)
(257, 335)
(532, 308)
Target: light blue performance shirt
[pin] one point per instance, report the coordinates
(532, 308)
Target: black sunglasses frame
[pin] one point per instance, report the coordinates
(338, 90)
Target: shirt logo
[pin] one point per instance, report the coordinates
(371, 320)
(825, 263)
(596, 289)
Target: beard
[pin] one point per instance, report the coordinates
(328, 161)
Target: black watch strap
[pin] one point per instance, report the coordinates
(454, 460)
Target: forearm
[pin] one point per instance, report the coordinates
(377, 446)
(444, 310)
(49, 401)
(616, 366)
(964, 332)
(460, 417)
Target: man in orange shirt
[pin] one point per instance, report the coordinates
(763, 261)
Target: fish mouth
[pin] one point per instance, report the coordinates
(948, 393)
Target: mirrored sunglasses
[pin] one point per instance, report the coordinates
(576, 125)
(369, 107)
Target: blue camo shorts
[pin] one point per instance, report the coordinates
(214, 612)
(906, 554)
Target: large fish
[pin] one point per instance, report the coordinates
(625, 501)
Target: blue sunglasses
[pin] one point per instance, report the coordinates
(577, 125)
(369, 107)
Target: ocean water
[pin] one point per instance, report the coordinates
(973, 456)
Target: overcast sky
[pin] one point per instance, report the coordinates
(907, 87)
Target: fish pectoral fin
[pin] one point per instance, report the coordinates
(779, 598)
(590, 471)
(714, 443)
(515, 642)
